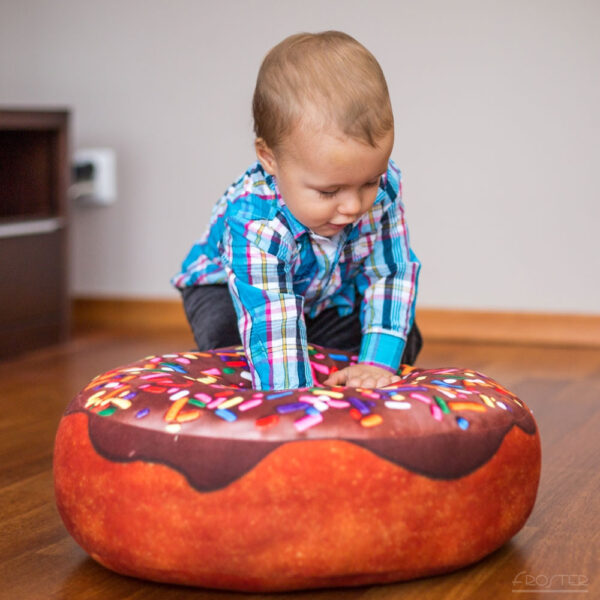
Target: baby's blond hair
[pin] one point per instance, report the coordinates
(322, 79)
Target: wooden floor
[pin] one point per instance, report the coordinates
(557, 552)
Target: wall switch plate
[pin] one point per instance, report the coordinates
(94, 176)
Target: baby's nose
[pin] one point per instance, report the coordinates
(350, 204)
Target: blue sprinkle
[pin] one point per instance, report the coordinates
(173, 367)
(360, 405)
(462, 423)
(280, 395)
(140, 414)
(225, 414)
(311, 410)
(283, 409)
(339, 357)
(130, 395)
(445, 384)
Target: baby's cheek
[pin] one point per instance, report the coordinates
(322, 210)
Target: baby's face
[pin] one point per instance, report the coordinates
(328, 180)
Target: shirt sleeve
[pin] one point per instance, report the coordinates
(388, 282)
(258, 256)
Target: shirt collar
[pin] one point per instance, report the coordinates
(367, 223)
(297, 229)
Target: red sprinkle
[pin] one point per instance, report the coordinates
(153, 389)
(267, 421)
(236, 363)
(356, 414)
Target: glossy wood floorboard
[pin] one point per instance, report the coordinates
(555, 555)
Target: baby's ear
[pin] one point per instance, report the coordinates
(265, 155)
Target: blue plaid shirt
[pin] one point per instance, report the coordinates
(278, 271)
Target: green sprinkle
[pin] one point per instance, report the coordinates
(442, 404)
(228, 371)
(198, 403)
(107, 412)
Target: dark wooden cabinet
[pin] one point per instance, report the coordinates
(34, 179)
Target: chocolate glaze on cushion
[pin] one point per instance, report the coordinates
(445, 431)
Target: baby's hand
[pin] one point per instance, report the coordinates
(362, 375)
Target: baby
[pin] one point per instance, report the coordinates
(310, 245)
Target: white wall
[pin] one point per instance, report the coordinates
(496, 106)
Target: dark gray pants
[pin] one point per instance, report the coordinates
(212, 317)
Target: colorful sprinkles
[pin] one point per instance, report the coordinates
(450, 396)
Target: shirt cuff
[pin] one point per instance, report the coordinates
(383, 350)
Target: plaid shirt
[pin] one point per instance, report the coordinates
(278, 270)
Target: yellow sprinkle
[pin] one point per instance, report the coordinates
(467, 406)
(397, 397)
(121, 403)
(206, 379)
(487, 400)
(331, 393)
(231, 402)
(95, 399)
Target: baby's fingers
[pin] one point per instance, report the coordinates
(337, 378)
(365, 381)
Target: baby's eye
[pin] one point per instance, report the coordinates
(372, 183)
(328, 194)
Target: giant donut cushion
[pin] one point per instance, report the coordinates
(173, 469)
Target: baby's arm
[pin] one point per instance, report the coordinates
(258, 255)
(387, 280)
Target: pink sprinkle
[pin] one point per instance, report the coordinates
(436, 412)
(320, 368)
(320, 356)
(307, 422)
(203, 398)
(183, 361)
(152, 376)
(307, 398)
(212, 372)
(337, 403)
(249, 404)
(214, 403)
(420, 397)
